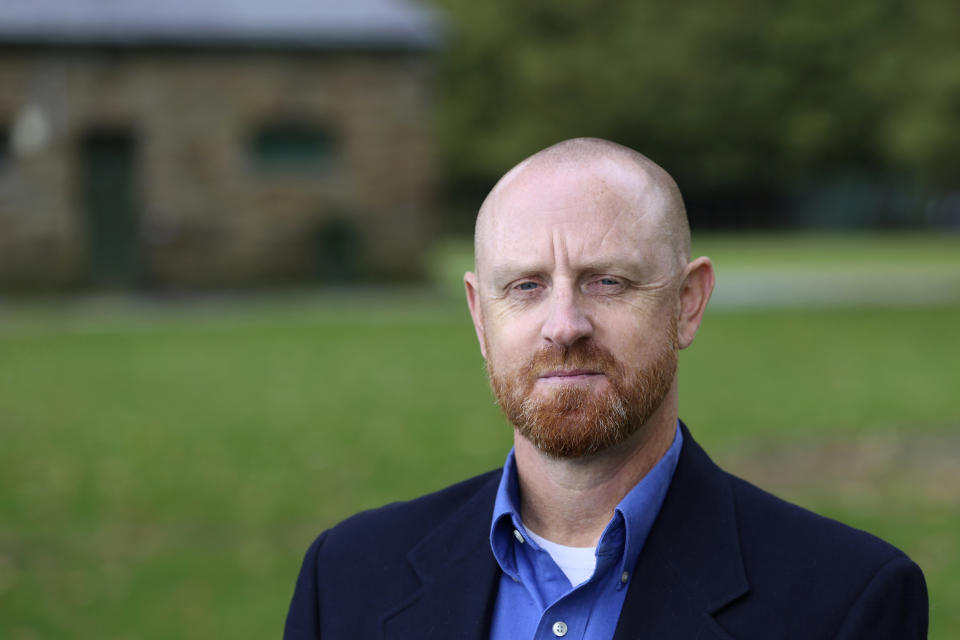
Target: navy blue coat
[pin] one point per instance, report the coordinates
(724, 560)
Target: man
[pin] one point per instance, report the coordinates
(608, 520)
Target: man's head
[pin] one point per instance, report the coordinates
(582, 294)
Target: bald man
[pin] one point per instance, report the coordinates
(607, 519)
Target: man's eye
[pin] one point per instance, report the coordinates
(527, 286)
(605, 285)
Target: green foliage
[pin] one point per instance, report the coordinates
(737, 99)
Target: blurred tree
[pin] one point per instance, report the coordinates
(748, 104)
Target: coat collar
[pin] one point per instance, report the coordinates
(691, 565)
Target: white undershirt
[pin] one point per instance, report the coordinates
(577, 563)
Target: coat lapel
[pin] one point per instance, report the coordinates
(690, 566)
(458, 578)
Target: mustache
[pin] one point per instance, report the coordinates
(580, 355)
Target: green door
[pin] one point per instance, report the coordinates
(109, 199)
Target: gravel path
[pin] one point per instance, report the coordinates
(878, 285)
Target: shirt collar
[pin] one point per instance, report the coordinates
(506, 518)
(626, 532)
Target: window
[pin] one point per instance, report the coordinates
(292, 147)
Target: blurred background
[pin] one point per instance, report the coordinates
(232, 235)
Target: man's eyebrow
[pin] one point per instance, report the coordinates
(505, 273)
(613, 266)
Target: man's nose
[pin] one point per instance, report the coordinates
(566, 322)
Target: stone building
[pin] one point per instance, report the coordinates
(213, 142)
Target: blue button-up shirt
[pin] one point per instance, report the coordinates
(535, 599)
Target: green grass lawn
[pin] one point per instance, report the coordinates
(164, 466)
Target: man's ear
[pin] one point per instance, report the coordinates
(472, 285)
(695, 292)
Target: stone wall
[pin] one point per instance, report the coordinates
(209, 213)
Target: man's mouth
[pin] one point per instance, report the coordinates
(571, 375)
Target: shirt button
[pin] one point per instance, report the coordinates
(559, 628)
(518, 536)
(624, 577)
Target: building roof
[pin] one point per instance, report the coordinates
(320, 24)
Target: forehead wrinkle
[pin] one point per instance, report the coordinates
(655, 217)
(629, 236)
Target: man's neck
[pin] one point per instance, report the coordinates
(571, 501)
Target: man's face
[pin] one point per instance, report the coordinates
(575, 305)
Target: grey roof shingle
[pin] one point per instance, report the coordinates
(296, 23)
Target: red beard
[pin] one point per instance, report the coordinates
(572, 422)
